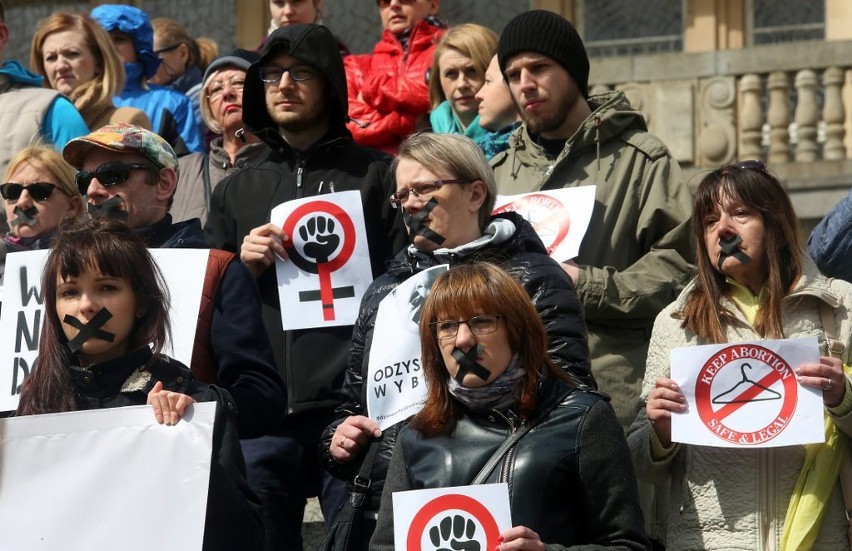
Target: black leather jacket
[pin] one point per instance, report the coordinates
(570, 478)
(525, 257)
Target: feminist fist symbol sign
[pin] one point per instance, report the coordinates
(321, 240)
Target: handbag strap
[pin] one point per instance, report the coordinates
(510, 442)
(362, 482)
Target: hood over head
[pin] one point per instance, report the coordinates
(134, 23)
(316, 46)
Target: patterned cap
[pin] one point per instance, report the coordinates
(125, 138)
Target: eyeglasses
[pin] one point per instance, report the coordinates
(272, 74)
(109, 174)
(39, 191)
(217, 87)
(382, 4)
(478, 325)
(167, 49)
(421, 190)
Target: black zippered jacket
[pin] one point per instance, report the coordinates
(311, 361)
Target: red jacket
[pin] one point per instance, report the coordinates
(388, 89)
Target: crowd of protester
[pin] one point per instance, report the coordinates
(128, 134)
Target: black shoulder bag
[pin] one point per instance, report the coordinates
(347, 528)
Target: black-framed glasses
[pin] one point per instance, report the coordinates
(482, 324)
(385, 3)
(217, 87)
(272, 74)
(421, 190)
(39, 191)
(109, 174)
(165, 49)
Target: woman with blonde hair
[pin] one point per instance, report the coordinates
(458, 72)
(77, 58)
(38, 192)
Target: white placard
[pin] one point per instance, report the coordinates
(396, 387)
(21, 315)
(560, 217)
(105, 479)
(328, 269)
(483, 511)
(746, 394)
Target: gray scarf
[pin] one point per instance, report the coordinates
(498, 394)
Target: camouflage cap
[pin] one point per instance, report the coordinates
(122, 137)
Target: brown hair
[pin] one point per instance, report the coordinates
(117, 251)
(93, 97)
(470, 40)
(464, 291)
(755, 187)
(201, 51)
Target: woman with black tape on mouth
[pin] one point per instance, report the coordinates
(446, 192)
(38, 193)
(754, 282)
(486, 364)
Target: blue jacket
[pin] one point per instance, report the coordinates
(62, 122)
(830, 244)
(171, 112)
(240, 344)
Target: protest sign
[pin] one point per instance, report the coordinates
(746, 394)
(328, 265)
(105, 479)
(461, 517)
(396, 388)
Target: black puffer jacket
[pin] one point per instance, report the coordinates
(570, 477)
(233, 511)
(525, 257)
(311, 361)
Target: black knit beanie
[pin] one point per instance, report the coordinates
(547, 33)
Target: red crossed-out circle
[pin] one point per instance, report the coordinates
(703, 397)
(446, 503)
(557, 219)
(333, 210)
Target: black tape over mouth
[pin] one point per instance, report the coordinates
(111, 208)
(91, 330)
(729, 246)
(416, 227)
(26, 217)
(467, 363)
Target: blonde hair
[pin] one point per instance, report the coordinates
(201, 51)
(52, 160)
(473, 41)
(93, 97)
(204, 102)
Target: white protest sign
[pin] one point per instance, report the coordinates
(21, 315)
(105, 479)
(328, 269)
(560, 217)
(396, 388)
(461, 517)
(746, 394)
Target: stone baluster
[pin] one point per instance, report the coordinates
(807, 116)
(751, 117)
(847, 124)
(833, 114)
(778, 116)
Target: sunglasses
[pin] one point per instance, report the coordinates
(109, 174)
(385, 3)
(39, 191)
(752, 164)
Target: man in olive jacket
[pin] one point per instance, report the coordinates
(637, 253)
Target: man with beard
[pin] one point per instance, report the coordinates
(636, 255)
(295, 100)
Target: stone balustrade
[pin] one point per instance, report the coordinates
(788, 104)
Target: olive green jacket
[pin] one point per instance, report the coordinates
(637, 253)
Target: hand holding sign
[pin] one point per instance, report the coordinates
(351, 436)
(260, 247)
(662, 401)
(828, 375)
